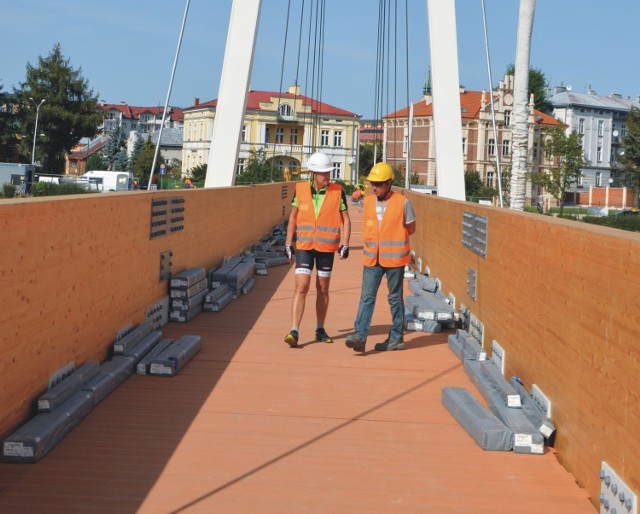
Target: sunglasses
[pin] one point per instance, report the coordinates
(378, 184)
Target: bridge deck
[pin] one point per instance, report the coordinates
(251, 425)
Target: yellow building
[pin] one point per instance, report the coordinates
(288, 127)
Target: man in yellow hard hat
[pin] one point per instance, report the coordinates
(320, 222)
(388, 222)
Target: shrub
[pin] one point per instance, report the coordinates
(51, 189)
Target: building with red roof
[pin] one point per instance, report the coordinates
(481, 150)
(143, 120)
(287, 126)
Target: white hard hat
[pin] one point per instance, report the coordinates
(320, 163)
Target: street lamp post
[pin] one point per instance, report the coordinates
(35, 131)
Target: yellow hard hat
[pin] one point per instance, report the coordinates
(381, 172)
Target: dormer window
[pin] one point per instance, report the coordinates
(285, 112)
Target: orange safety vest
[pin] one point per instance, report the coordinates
(386, 243)
(321, 234)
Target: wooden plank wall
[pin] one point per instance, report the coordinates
(75, 270)
(562, 299)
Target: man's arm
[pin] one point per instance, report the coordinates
(411, 227)
(345, 232)
(292, 225)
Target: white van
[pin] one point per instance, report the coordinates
(104, 181)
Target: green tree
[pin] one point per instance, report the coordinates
(138, 145)
(198, 173)
(115, 150)
(630, 156)
(8, 128)
(538, 86)
(96, 162)
(144, 161)
(367, 151)
(67, 115)
(259, 170)
(475, 188)
(567, 155)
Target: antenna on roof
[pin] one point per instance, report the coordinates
(569, 88)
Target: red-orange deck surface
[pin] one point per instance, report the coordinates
(252, 426)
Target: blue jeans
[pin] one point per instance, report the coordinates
(371, 278)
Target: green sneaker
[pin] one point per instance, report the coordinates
(292, 339)
(322, 336)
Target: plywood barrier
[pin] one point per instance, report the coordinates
(562, 299)
(75, 270)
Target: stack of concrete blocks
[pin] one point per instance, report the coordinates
(504, 401)
(533, 411)
(479, 422)
(174, 356)
(269, 251)
(227, 282)
(65, 404)
(426, 310)
(187, 292)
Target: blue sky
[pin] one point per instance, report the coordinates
(126, 48)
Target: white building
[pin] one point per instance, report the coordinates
(601, 121)
(287, 126)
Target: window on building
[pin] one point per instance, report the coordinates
(243, 135)
(600, 127)
(547, 150)
(599, 154)
(535, 150)
(202, 131)
(464, 145)
(335, 174)
(279, 135)
(580, 180)
(337, 139)
(599, 179)
(280, 165)
(506, 146)
(286, 110)
(266, 134)
(623, 130)
(581, 126)
(492, 147)
(293, 166)
(324, 138)
(490, 178)
(293, 136)
(507, 117)
(240, 167)
(405, 143)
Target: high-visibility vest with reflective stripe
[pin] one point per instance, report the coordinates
(321, 234)
(386, 243)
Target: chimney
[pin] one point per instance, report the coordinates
(294, 89)
(196, 101)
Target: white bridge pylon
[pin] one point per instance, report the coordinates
(236, 77)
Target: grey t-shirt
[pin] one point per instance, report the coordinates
(409, 214)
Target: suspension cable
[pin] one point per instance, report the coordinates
(166, 103)
(493, 113)
(284, 54)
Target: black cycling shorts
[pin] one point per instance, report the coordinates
(305, 260)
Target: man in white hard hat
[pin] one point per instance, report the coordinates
(320, 222)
